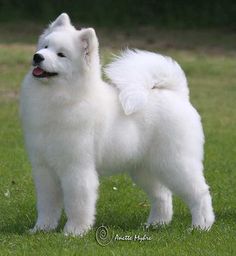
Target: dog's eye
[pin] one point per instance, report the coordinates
(60, 54)
(46, 47)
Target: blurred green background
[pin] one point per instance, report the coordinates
(167, 13)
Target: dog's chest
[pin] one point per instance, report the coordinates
(57, 132)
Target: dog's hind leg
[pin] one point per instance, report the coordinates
(161, 208)
(159, 195)
(185, 178)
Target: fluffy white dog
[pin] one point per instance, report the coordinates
(78, 127)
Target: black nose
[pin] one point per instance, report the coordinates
(38, 58)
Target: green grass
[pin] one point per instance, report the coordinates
(212, 80)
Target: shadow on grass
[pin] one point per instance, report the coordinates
(136, 221)
(130, 223)
(17, 228)
(117, 216)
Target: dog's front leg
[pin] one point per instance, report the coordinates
(49, 199)
(79, 186)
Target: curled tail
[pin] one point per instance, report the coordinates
(136, 72)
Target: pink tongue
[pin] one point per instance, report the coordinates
(38, 71)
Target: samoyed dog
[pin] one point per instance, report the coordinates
(78, 127)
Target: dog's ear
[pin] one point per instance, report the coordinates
(61, 20)
(88, 42)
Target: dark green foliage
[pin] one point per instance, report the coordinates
(166, 13)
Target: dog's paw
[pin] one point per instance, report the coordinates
(156, 224)
(40, 227)
(32, 231)
(202, 214)
(72, 229)
(204, 223)
(158, 221)
(36, 229)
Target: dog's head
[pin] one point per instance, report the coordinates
(64, 53)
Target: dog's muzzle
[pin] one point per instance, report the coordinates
(38, 71)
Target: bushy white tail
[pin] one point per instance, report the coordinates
(136, 72)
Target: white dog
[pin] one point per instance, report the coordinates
(78, 127)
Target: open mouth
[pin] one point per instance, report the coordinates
(40, 73)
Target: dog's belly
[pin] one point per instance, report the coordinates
(121, 148)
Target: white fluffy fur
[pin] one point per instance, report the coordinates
(157, 71)
(76, 129)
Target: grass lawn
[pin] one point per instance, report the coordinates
(209, 60)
